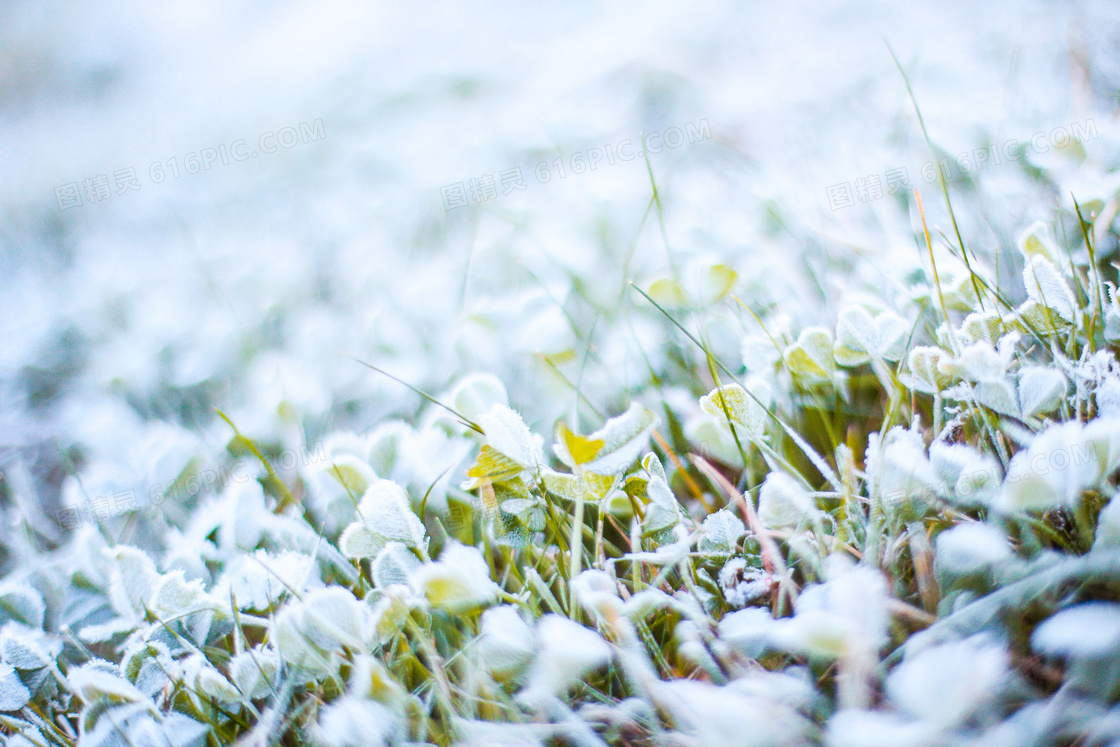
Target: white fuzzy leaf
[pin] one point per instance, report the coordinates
(783, 502)
(393, 565)
(131, 580)
(507, 434)
(93, 684)
(506, 643)
(174, 596)
(458, 582)
(478, 393)
(861, 337)
(567, 652)
(1035, 242)
(624, 438)
(14, 695)
(973, 547)
(811, 356)
(732, 400)
(359, 541)
(23, 604)
(720, 533)
(1041, 390)
(1088, 630)
(388, 517)
(925, 369)
(255, 672)
(1046, 287)
(24, 648)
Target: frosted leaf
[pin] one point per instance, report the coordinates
(714, 715)
(743, 585)
(668, 292)
(93, 684)
(1089, 630)
(861, 338)
(844, 615)
(258, 581)
(1046, 287)
(1107, 395)
(854, 728)
(506, 642)
(359, 541)
(348, 474)
(22, 604)
(645, 602)
(1108, 526)
(740, 406)
(1061, 462)
(386, 516)
(662, 510)
(102, 632)
(1035, 242)
(612, 448)
(596, 592)
(26, 648)
(1041, 390)
(148, 665)
(356, 722)
(720, 533)
(326, 621)
(570, 488)
(255, 672)
(393, 565)
(476, 394)
(811, 356)
(204, 683)
(1031, 316)
(716, 281)
(14, 695)
(973, 478)
(507, 434)
(181, 731)
(969, 548)
(459, 581)
(132, 577)
(567, 652)
(391, 611)
(998, 396)
(783, 502)
(748, 630)
(1103, 435)
(902, 471)
(978, 362)
(946, 684)
(982, 326)
(385, 444)
(174, 596)
(925, 369)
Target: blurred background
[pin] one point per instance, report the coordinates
(223, 205)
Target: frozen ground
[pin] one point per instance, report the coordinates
(251, 285)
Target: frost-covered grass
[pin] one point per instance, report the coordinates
(893, 525)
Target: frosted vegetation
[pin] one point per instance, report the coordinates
(895, 529)
(700, 479)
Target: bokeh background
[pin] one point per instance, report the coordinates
(252, 285)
